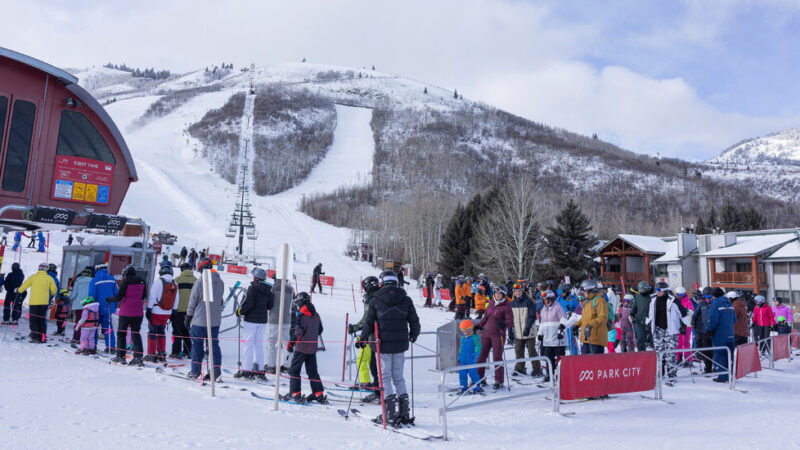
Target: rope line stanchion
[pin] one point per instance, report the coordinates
(694, 353)
(344, 351)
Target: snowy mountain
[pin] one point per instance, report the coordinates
(782, 147)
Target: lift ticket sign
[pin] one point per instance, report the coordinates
(82, 180)
(585, 376)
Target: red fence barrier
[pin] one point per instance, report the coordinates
(585, 376)
(445, 294)
(747, 360)
(326, 280)
(242, 270)
(780, 347)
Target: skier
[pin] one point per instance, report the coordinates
(196, 320)
(593, 324)
(130, 296)
(53, 272)
(401, 281)
(315, 278)
(184, 253)
(553, 323)
(763, 321)
(42, 242)
(17, 240)
(62, 304)
(639, 312)
(308, 328)
(468, 353)
(571, 306)
(12, 307)
(102, 287)
(193, 258)
(721, 320)
(782, 310)
(700, 325)
(523, 330)
(495, 322)
(625, 325)
(80, 290)
(42, 289)
(69, 239)
(87, 326)
(161, 302)
(181, 344)
(398, 324)
(740, 329)
(437, 290)
(463, 293)
(685, 338)
(664, 318)
(365, 361)
(451, 288)
(429, 283)
(273, 327)
(32, 242)
(254, 310)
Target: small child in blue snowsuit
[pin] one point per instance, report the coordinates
(468, 354)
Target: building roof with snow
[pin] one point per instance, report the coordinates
(789, 251)
(749, 246)
(646, 244)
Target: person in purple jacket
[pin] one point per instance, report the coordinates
(131, 296)
(495, 323)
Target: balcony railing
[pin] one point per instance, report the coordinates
(737, 277)
(629, 277)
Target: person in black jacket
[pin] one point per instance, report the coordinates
(700, 324)
(366, 361)
(429, 282)
(254, 310)
(307, 329)
(398, 324)
(315, 278)
(12, 307)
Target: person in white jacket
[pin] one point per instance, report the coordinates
(665, 319)
(161, 303)
(553, 324)
(437, 290)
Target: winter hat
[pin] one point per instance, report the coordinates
(43, 266)
(627, 298)
(465, 325)
(781, 319)
(680, 290)
(718, 292)
(731, 295)
(86, 300)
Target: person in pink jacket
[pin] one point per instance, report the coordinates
(763, 321)
(782, 310)
(685, 339)
(88, 326)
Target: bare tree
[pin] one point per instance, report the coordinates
(507, 236)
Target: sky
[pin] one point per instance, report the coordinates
(676, 78)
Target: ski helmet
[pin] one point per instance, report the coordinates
(760, 300)
(707, 292)
(718, 292)
(781, 319)
(564, 287)
(502, 289)
(259, 274)
(86, 300)
(778, 300)
(589, 285)
(43, 266)
(204, 264)
(627, 298)
(389, 278)
(731, 295)
(466, 325)
(549, 294)
(52, 267)
(301, 299)
(680, 290)
(662, 286)
(101, 266)
(643, 287)
(370, 284)
(129, 270)
(166, 269)
(185, 266)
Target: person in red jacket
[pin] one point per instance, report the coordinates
(495, 322)
(763, 321)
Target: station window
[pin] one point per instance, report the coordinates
(78, 137)
(20, 135)
(3, 109)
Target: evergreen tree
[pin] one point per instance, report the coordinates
(713, 223)
(454, 246)
(455, 94)
(730, 218)
(700, 227)
(373, 67)
(753, 220)
(425, 91)
(570, 241)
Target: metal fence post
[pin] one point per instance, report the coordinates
(443, 410)
(771, 352)
(732, 367)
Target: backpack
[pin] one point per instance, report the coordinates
(169, 293)
(610, 322)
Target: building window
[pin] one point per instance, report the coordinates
(794, 267)
(79, 138)
(743, 267)
(20, 135)
(661, 270)
(3, 109)
(780, 267)
(785, 295)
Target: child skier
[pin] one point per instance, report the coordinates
(625, 326)
(468, 354)
(306, 333)
(62, 305)
(88, 326)
(783, 327)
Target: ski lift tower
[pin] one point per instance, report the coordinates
(242, 217)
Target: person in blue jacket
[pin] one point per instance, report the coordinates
(40, 237)
(570, 305)
(103, 286)
(467, 354)
(52, 270)
(17, 240)
(721, 319)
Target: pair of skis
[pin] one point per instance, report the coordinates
(405, 431)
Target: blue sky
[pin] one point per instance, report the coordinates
(675, 78)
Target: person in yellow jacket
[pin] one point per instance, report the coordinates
(593, 325)
(43, 288)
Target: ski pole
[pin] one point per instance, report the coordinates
(412, 383)
(239, 339)
(505, 366)
(352, 393)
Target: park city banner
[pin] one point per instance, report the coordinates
(585, 376)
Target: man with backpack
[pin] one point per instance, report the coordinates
(181, 344)
(160, 304)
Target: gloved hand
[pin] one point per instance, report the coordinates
(632, 318)
(149, 314)
(511, 336)
(477, 328)
(560, 336)
(173, 315)
(351, 329)
(238, 312)
(360, 344)
(187, 322)
(290, 347)
(682, 329)
(412, 338)
(561, 327)
(576, 331)
(540, 338)
(526, 331)
(501, 324)
(774, 328)
(587, 331)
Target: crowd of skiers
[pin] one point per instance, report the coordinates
(546, 320)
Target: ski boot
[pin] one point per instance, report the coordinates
(79, 352)
(404, 413)
(537, 374)
(519, 373)
(497, 386)
(193, 376)
(92, 351)
(174, 356)
(217, 377)
(297, 397)
(269, 369)
(390, 403)
(246, 374)
(137, 361)
(120, 359)
(318, 397)
(374, 397)
(150, 358)
(258, 376)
